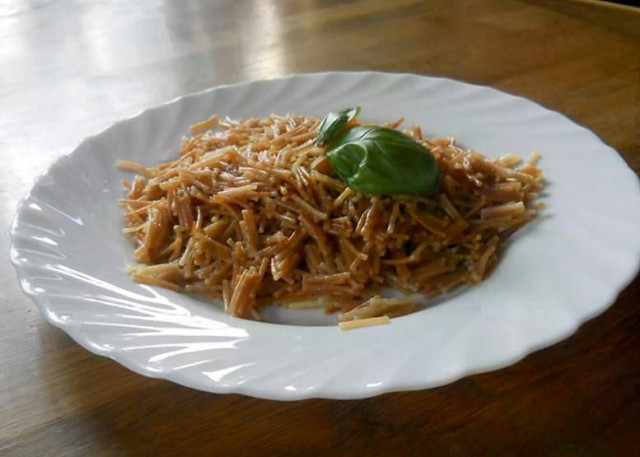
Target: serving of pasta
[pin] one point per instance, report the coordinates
(251, 212)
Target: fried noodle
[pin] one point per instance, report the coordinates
(252, 213)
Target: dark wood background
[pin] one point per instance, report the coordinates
(69, 69)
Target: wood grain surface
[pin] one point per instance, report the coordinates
(69, 69)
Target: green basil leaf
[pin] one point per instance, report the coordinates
(333, 124)
(379, 160)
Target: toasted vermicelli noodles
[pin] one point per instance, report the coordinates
(252, 213)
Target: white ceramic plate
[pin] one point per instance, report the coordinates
(559, 271)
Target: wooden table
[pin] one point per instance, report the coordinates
(70, 69)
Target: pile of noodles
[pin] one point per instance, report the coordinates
(252, 213)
